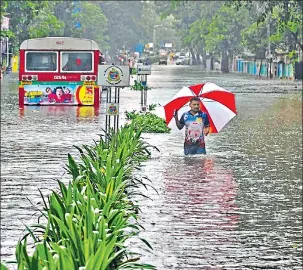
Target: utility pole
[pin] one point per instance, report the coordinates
(269, 54)
(154, 36)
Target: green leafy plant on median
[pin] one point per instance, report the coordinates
(89, 220)
(138, 86)
(148, 122)
(152, 107)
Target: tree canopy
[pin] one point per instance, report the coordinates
(211, 29)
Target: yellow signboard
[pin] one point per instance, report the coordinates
(86, 95)
(26, 82)
(89, 83)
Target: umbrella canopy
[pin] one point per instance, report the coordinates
(217, 102)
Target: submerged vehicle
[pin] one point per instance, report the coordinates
(163, 60)
(59, 71)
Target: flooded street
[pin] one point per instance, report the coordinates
(238, 207)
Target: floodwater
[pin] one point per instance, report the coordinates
(238, 207)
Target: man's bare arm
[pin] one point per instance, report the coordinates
(178, 124)
(206, 131)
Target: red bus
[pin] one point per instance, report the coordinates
(59, 71)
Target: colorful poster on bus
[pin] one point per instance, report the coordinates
(68, 94)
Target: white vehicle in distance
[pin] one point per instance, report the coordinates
(183, 60)
(177, 55)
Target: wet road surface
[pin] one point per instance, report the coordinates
(238, 207)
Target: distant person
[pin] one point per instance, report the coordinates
(196, 125)
(1, 71)
(130, 65)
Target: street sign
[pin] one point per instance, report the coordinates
(112, 75)
(5, 23)
(78, 25)
(112, 109)
(144, 70)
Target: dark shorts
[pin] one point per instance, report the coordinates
(194, 149)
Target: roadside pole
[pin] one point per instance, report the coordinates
(143, 71)
(114, 78)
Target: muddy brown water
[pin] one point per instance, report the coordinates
(238, 207)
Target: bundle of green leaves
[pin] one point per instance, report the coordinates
(139, 87)
(148, 122)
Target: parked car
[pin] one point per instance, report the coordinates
(163, 60)
(177, 55)
(179, 61)
(141, 60)
(182, 60)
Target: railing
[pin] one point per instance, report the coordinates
(277, 70)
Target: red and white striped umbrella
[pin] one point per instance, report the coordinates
(217, 102)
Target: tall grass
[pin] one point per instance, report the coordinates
(89, 220)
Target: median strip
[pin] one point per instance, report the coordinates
(87, 223)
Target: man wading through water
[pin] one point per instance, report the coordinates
(196, 126)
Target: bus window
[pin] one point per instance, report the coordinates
(41, 61)
(77, 61)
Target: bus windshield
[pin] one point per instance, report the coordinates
(76, 61)
(41, 61)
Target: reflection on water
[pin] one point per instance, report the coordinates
(198, 214)
(239, 207)
(79, 112)
(204, 189)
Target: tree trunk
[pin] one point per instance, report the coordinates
(260, 67)
(194, 61)
(224, 62)
(211, 62)
(198, 59)
(203, 54)
(231, 62)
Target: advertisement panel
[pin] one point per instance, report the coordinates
(58, 93)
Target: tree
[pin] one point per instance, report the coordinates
(200, 29)
(93, 24)
(123, 17)
(46, 23)
(225, 33)
(185, 14)
(287, 12)
(22, 14)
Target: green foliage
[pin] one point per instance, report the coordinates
(3, 267)
(225, 30)
(286, 13)
(148, 122)
(152, 107)
(130, 22)
(21, 14)
(93, 24)
(254, 37)
(138, 86)
(46, 23)
(34, 19)
(89, 221)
